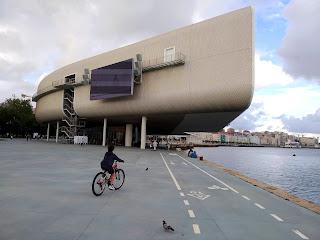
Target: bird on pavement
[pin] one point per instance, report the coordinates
(166, 226)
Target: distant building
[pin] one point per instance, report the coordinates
(246, 132)
(254, 140)
(308, 141)
(230, 131)
(272, 139)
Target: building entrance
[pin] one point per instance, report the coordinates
(116, 135)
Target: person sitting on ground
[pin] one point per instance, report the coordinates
(190, 151)
(193, 154)
(107, 164)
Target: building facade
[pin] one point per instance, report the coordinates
(196, 78)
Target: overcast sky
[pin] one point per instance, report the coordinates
(38, 36)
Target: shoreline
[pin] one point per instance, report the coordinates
(269, 188)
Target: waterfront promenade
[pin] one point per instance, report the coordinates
(45, 193)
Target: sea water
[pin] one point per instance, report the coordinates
(298, 175)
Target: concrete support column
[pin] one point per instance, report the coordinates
(143, 132)
(128, 138)
(57, 132)
(48, 132)
(104, 133)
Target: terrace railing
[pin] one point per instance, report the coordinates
(164, 61)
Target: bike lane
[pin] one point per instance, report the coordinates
(221, 205)
(136, 210)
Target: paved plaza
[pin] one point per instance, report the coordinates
(45, 193)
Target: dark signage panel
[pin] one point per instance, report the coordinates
(115, 80)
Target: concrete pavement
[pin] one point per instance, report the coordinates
(45, 193)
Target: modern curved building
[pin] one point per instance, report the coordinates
(196, 78)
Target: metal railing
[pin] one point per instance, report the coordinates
(55, 86)
(70, 81)
(58, 83)
(68, 108)
(66, 131)
(68, 96)
(69, 121)
(164, 61)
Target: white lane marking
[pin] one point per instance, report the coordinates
(196, 228)
(198, 195)
(191, 214)
(184, 164)
(173, 154)
(171, 174)
(186, 202)
(215, 187)
(300, 234)
(232, 189)
(181, 194)
(245, 197)
(172, 163)
(276, 217)
(259, 206)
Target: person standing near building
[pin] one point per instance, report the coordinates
(155, 144)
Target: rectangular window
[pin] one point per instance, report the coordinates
(169, 54)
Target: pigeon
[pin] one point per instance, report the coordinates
(166, 226)
(147, 169)
(294, 155)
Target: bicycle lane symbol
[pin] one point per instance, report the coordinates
(198, 195)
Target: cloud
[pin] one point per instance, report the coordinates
(282, 109)
(295, 101)
(300, 46)
(249, 119)
(41, 36)
(307, 124)
(269, 74)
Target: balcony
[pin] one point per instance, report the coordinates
(163, 62)
(66, 83)
(56, 86)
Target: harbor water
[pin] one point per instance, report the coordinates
(298, 175)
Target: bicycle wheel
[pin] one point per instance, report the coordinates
(119, 179)
(98, 184)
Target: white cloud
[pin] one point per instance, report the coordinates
(42, 36)
(290, 109)
(300, 46)
(39, 36)
(269, 74)
(290, 101)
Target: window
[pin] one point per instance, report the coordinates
(169, 54)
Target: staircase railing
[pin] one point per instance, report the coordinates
(69, 121)
(65, 130)
(68, 109)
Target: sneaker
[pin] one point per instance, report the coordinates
(111, 187)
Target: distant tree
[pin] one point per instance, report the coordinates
(17, 118)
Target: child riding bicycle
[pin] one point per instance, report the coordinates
(107, 164)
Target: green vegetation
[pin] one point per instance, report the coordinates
(17, 118)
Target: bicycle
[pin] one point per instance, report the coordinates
(101, 179)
